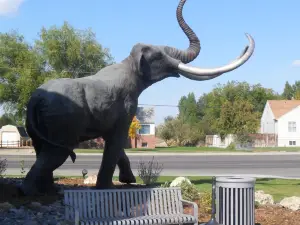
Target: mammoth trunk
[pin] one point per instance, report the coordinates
(193, 50)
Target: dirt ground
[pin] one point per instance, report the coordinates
(264, 215)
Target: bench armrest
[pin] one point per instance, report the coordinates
(76, 213)
(195, 206)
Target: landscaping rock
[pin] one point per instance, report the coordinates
(292, 203)
(5, 206)
(90, 179)
(177, 181)
(35, 205)
(263, 199)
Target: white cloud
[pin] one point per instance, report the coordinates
(296, 62)
(8, 7)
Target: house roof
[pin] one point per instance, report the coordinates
(281, 107)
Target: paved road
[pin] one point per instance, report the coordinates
(182, 165)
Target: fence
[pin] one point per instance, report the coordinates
(258, 140)
(16, 144)
(264, 140)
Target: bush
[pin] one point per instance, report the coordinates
(231, 146)
(256, 204)
(3, 165)
(165, 185)
(150, 174)
(205, 202)
(189, 191)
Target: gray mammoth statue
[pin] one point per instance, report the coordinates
(64, 112)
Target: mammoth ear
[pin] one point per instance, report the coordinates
(144, 67)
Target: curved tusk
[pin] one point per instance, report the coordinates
(195, 72)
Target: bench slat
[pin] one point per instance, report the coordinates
(165, 205)
(155, 220)
(118, 206)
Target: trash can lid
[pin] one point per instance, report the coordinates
(235, 180)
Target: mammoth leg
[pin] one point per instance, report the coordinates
(48, 179)
(40, 177)
(125, 174)
(114, 144)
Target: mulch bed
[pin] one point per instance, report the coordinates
(264, 215)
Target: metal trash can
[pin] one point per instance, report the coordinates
(235, 200)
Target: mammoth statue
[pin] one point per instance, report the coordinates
(64, 112)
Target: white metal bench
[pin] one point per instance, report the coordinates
(155, 206)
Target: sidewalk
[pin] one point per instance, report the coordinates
(32, 152)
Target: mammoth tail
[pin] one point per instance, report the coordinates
(31, 124)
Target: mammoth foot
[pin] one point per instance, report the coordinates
(39, 179)
(104, 186)
(128, 178)
(38, 185)
(31, 190)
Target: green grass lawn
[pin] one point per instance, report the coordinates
(193, 150)
(278, 188)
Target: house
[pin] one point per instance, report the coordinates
(146, 135)
(12, 136)
(281, 117)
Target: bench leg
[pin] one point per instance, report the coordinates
(76, 217)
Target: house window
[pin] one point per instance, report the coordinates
(144, 144)
(292, 126)
(145, 129)
(292, 142)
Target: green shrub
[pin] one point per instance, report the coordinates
(165, 185)
(205, 202)
(189, 191)
(231, 146)
(256, 204)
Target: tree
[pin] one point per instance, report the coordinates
(168, 118)
(231, 92)
(259, 95)
(288, 91)
(166, 131)
(70, 52)
(59, 52)
(183, 134)
(145, 114)
(6, 119)
(21, 72)
(188, 109)
(238, 117)
(201, 103)
(297, 95)
(134, 127)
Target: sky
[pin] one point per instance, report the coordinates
(220, 26)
